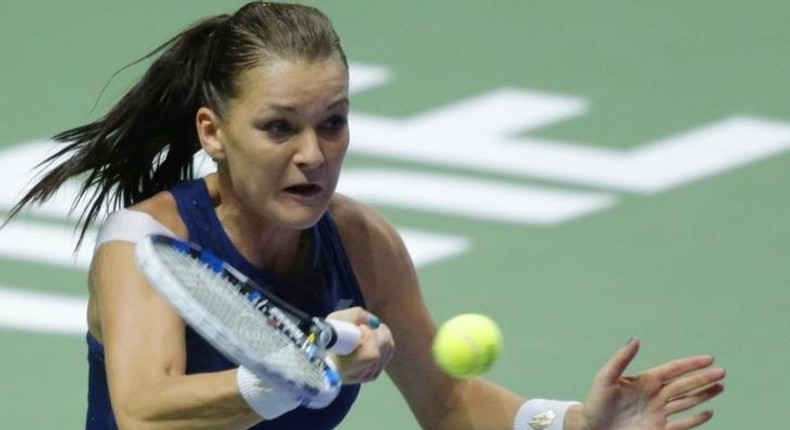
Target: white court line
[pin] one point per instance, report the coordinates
(469, 197)
(45, 243)
(40, 312)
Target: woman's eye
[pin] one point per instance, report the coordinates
(278, 128)
(334, 123)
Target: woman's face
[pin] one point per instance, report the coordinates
(283, 140)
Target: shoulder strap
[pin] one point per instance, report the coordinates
(349, 293)
(129, 226)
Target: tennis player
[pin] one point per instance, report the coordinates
(265, 93)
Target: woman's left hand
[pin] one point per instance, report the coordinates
(650, 400)
(375, 349)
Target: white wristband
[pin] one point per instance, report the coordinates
(542, 414)
(266, 400)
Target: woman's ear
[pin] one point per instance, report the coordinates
(210, 134)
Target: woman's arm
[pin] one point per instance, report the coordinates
(387, 277)
(391, 289)
(145, 355)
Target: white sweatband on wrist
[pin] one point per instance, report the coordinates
(266, 400)
(542, 414)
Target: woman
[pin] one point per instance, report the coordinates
(265, 93)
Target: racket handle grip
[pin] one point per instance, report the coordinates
(347, 337)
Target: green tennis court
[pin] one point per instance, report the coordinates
(584, 172)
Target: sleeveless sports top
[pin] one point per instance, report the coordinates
(327, 285)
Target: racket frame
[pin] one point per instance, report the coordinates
(312, 336)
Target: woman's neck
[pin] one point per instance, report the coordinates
(280, 250)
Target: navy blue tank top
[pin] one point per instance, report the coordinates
(327, 285)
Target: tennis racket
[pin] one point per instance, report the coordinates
(245, 322)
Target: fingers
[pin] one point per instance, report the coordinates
(356, 315)
(689, 401)
(674, 369)
(616, 365)
(690, 421)
(691, 382)
(376, 351)
(376, 346)
(369, 360)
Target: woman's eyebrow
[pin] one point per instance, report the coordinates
(293, 109)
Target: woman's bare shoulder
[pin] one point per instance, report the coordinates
(360, 223)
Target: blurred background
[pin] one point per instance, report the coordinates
(584, 172)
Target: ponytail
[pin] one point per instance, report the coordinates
(147, 141)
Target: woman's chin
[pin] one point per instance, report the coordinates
(302, 218)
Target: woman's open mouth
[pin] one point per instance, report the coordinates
(304, 190)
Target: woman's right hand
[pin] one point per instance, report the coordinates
(376, 347)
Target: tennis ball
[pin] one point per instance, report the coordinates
(466, 345)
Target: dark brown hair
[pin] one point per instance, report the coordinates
(147, 141)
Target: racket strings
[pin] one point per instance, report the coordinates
(266, 332)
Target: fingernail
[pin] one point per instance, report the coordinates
(373, 321)
(631, 339)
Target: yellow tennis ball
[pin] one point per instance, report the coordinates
(466, 345)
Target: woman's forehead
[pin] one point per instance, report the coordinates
(288, 82)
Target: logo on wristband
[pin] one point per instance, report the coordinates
(542, 420)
